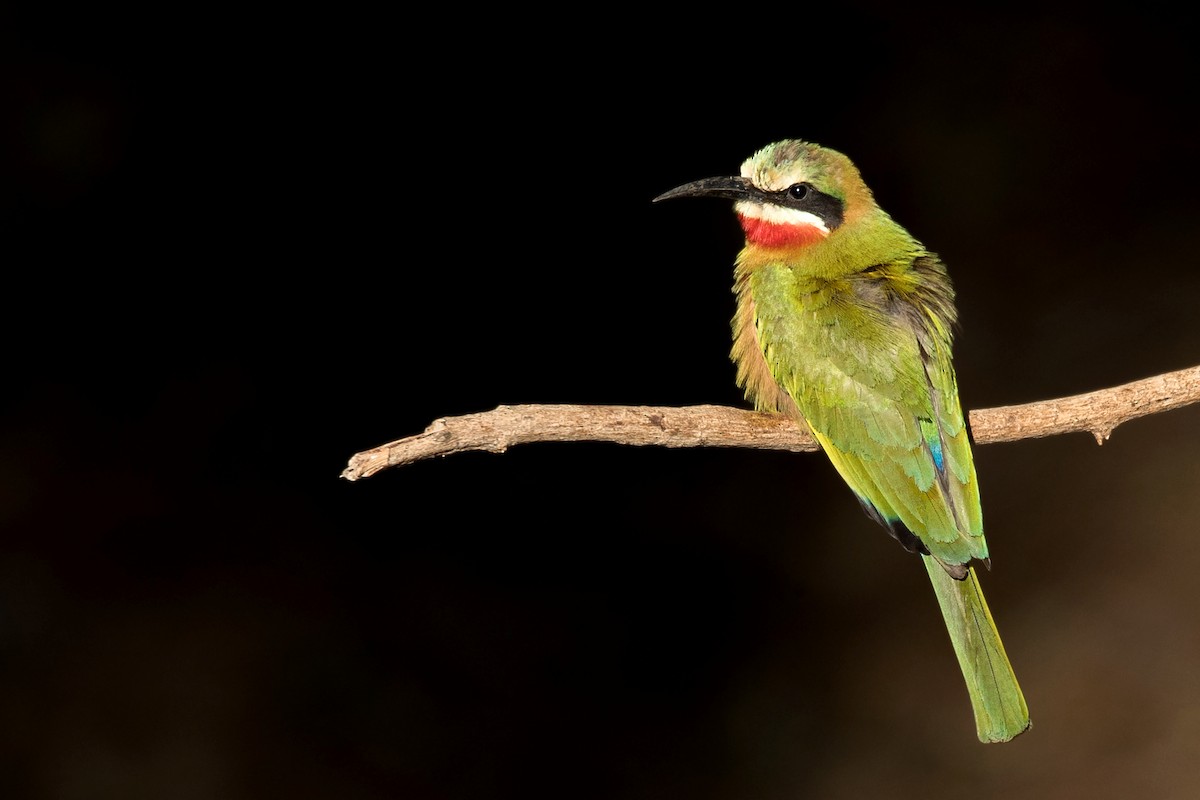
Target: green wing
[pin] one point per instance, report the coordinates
(871, 374)
(870, 371)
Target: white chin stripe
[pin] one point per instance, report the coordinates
(779, 215)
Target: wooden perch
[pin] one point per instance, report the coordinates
(495, 431)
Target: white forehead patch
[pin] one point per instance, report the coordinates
(778, 215)
(768, 179)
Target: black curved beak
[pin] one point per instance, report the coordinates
(731, 188)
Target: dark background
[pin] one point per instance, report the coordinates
(242, 245)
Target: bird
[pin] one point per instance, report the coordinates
(844, 321)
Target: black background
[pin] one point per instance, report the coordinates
(242, 245)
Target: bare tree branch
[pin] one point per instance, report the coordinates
(495, 431)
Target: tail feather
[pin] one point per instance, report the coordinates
(1000, 709)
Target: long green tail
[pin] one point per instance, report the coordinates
(1000, 710)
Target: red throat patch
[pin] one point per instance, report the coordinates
(779, 234)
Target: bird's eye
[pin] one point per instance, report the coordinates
(798, 191)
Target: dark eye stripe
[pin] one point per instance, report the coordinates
(806, 197)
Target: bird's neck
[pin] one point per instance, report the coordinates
(868, 241)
